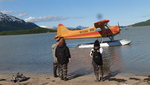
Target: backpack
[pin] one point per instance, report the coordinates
(97, 56)
(19, 78)
(61, 57)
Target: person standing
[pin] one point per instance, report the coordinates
(63, 57)
(55, 62)
(97, 61)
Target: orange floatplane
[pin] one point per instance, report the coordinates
(99, 30)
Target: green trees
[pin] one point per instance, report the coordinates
(145, 23)
(31, 31)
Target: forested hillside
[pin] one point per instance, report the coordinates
(144, 23)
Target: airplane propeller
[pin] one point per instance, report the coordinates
(119, 27)
(99, 16)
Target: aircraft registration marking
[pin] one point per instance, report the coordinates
(64, 30)
(84, 31)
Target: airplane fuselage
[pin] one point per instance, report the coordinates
(91, 33)
(100, 29)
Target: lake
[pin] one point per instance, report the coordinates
(31, 54)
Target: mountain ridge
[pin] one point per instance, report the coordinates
(11, 23)
(143, 23)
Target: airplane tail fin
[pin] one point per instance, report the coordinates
(61, 30)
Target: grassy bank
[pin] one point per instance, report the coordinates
(21, 32)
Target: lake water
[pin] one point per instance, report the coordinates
(31, 54)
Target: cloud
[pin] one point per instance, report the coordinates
(22, 14)
(18, 14)
(45, 19)
(9, 12)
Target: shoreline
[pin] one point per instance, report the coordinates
(76, 79)
(25, 34)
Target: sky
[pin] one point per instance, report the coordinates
(73, 13)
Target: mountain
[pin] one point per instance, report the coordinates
(144, 23)
(10, 23)
(80, 27)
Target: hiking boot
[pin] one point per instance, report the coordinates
(65, 79)
(55, 76)
(97, 80)
(102, 79)
(61, 78)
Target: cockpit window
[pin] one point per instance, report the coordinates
(98, 29)
(92, 29)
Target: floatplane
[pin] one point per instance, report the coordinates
(99, 30)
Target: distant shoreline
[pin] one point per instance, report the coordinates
(26, 34)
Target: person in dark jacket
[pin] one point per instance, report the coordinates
(63, 56)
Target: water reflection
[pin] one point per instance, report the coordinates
(112, 60)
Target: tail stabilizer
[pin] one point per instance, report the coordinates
(61, 31)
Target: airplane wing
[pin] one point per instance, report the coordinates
(101, 24)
